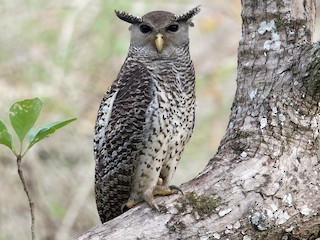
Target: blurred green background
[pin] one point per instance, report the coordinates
(68, 53)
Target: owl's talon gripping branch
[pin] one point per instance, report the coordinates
(148, 197)
(165, 190)
(173, 187)
(146, 116)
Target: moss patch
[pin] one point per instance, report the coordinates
(203, 205)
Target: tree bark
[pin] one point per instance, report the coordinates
(266, 173)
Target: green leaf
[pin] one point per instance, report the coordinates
(23, 116)
(39, 133)
(5, 136)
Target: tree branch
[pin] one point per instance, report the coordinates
(31, 204)
(307, 70)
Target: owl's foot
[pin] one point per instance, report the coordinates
(159, 190)
(171, 187)
(148, 196)
(162, 191)
(165, 190)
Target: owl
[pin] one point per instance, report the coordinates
(146, 116)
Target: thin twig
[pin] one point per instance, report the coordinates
(31, 205)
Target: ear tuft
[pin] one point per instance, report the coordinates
(186, 17)
(127, 17)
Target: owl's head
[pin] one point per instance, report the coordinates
(159, 34)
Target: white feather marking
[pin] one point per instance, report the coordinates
(107, 109)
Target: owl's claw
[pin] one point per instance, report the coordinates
(165, 190)
(160, 190)
(173, 187)
(148, 196)
(154, 205)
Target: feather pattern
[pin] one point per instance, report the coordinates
(126, 103)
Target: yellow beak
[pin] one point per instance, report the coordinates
(159, 42)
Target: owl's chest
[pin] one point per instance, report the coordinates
(171, 112)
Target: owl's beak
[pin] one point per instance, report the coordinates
(159, 42)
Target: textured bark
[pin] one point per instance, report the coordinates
(266, 173)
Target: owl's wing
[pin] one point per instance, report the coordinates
(118, 139)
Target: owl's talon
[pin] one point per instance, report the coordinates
(149, 198)
(154, 205)
(173, 187)
(165, 190)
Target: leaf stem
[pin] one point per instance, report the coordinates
(24, 152)
(31, 204)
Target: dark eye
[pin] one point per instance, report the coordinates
(173, 28)
(145, 28)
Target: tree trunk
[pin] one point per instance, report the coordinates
(266, 173)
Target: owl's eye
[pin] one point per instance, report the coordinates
(173, 27)
(145, 28)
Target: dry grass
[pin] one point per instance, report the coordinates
(67, 53)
